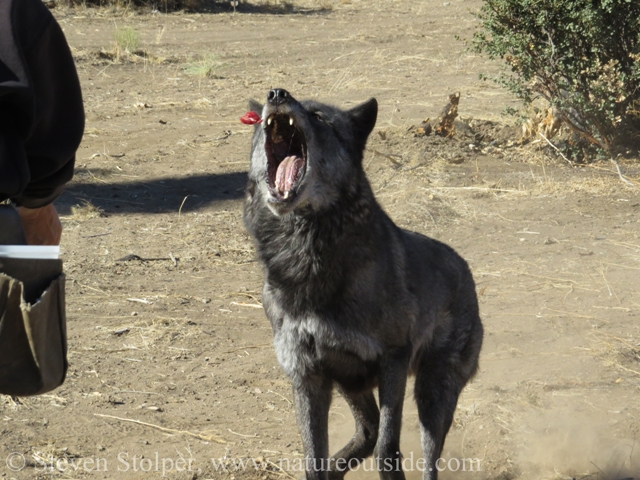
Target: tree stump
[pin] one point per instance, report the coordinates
(446, 126)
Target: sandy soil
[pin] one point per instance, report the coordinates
(171, 363)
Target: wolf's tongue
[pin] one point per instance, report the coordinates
(288, 171)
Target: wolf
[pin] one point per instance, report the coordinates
(354, 301)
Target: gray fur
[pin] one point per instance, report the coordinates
(354, 301)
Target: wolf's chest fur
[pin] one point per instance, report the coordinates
(315, 345)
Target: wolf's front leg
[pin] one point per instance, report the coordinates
(312, 397)
(391, 385)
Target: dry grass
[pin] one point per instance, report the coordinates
(85, 211)
(50, 454)
(425, 208)
(325, 5)
(283, 5)
(544, 122)
(598, 184)
(147, 331)
(623, 354)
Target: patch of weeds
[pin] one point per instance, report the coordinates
(205, 67)
(281, 5)
(325, 5)
(127, 41)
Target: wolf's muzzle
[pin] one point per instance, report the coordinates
(278, 96)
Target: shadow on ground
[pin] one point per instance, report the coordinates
(286, 8)
(155, 196)
(216, 6)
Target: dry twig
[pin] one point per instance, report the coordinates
(250, 346)
(622, 177)
(206, 438)
(556, 149)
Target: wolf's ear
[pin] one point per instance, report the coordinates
(255, 106)
(363, 118)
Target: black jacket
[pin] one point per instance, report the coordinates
(41, 112)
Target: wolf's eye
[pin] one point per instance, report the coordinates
(319, 116)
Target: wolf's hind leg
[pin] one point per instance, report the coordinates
(440, 377)
(367, 416)
(436, 392)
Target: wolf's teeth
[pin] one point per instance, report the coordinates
(291, 121)
(286, 194)
(269, 120)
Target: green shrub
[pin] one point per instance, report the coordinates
(582, 56)
(127, 40)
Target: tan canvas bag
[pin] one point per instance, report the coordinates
(33, 345)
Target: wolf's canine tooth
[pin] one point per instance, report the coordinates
(291, 121)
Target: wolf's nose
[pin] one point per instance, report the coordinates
(278, 96)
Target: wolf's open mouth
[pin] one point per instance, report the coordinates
(286, 151)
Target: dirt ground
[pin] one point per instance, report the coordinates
(171, 363)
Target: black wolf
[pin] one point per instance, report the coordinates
(354, 301)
